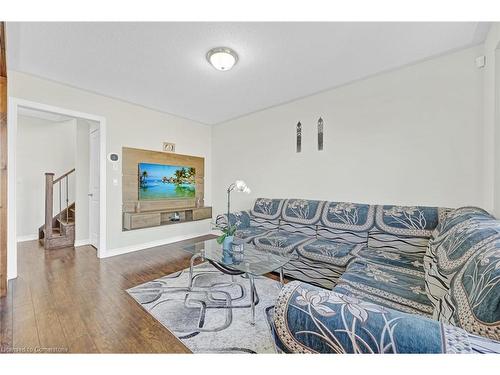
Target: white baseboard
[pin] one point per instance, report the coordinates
(29, 237)
(147, 245)
(82, 242)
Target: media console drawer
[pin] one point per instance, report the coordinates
(141, 220)
(147, 219)
(202, 213)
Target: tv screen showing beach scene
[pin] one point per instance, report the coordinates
(157, 181)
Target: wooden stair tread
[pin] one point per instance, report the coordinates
(70, 221)
(56, 232)
(63, 230)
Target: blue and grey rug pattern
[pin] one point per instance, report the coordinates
(212, 317)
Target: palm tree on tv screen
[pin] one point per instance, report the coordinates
(179, 174)
(142, 178)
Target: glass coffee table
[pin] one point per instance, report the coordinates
(243, 259)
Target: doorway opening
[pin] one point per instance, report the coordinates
(57, 178)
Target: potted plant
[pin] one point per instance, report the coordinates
(227, 236)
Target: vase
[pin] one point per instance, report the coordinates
(227, 257)
(228, 242)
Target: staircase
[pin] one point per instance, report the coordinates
(58, 230)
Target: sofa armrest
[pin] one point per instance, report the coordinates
(309, 319)
(241, 219)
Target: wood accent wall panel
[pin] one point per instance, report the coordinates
(131, 157)
(3, 163)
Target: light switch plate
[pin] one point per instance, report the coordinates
(480, 62)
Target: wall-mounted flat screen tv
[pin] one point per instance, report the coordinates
(158, 181)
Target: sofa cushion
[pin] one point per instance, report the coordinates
(404, 228)
(336, 253)
(457, 216)
(302, 211)
(400, 289)
(473, 300)
(301, 216)
(267, 208)
(266, 213)
(249, 233)
(280, 240)
(321, 262)
(241, 219)
(347, 222)
(461, 234)
(313, 272)
(307, 319)
(395, 259)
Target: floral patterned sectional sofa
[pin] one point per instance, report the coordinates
(380, 278)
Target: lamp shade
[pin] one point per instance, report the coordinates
(241, 187)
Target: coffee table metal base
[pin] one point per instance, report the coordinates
(254, 297)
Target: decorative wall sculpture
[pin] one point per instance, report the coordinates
(320, 134)
(299, 137)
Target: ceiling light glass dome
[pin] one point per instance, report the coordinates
(222, 58)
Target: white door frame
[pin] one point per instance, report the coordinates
(12, 116)
(90, 186)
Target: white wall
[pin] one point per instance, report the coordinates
(42, 146)
(131, 126)
(491, 112)
(410, 136)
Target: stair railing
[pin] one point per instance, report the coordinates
(50, 182)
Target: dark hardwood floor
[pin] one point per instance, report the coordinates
(68, 300)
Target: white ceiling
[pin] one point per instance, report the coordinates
(163, 66)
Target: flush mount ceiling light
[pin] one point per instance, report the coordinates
(222, 58)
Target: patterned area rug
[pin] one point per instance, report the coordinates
(202, 319)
